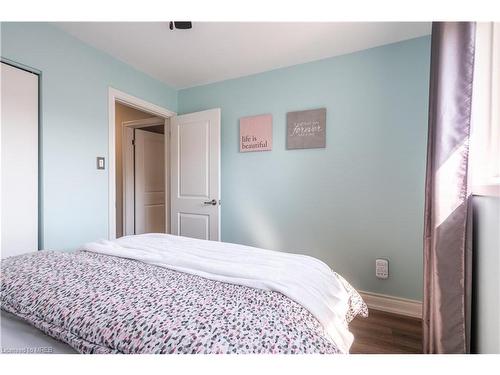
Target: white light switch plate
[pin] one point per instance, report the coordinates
(100, 162)
(382, 268)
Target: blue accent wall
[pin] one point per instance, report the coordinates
(74, 127)
(361, 197)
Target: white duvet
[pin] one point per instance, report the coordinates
(304, 279)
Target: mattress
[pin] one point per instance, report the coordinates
(19, 337)
(97, 303)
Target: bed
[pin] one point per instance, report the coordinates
(159, 293)
(19, 337)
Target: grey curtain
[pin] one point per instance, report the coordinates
(447, 250)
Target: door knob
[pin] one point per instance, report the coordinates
(213, 202)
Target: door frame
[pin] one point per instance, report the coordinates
(128, 128)
(114, 96)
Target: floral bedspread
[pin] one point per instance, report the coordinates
(104, 304)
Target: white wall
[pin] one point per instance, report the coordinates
(486, 310)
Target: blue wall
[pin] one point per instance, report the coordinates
(360, 198)
(75, 81)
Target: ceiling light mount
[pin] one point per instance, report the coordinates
(181, 25)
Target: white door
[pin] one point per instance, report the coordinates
(149, 182)
(19, 161)
(195, 175)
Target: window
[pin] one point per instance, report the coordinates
(485, 121)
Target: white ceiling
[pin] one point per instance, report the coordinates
(215, 51)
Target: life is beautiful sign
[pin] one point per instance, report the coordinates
(256, 133)
(306, 129)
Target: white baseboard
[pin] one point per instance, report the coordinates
(395, 305)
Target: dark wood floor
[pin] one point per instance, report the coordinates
(386, 333)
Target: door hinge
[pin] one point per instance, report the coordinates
(133, 142)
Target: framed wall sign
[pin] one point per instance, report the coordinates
(256, 133)
(306, 129)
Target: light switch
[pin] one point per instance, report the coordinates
(100, 162)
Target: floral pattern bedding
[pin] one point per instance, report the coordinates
(104, 304)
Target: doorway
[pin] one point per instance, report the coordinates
(144, 178)
(191, 166)
(126, 114)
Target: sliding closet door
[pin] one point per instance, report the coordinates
(19, 161)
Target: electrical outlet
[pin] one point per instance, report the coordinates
(382, 268)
